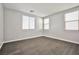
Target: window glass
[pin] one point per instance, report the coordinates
(72, 25)
(28, 22)
(46, 23)
(71, 16)
(71, 21)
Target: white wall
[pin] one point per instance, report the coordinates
(57, 28)
(13, 26)
(14, 32)
(1, 25)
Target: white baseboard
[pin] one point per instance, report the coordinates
(40, 36)
(63, 39)
(1, 45)
(21, 39)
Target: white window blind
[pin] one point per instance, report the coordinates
(46, 23)
(71, 20)
(28, 22)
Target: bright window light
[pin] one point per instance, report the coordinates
(71, 20)
(71, 16)
(28, 22)
(72, 25)
(46, 23)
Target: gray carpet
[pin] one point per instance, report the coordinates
(40, 46)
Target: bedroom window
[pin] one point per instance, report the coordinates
(71, 20)
(28, 22)
(46, 23)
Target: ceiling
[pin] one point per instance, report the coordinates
(40, 9)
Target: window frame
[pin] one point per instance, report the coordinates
(46, 23)
(70, 21)
(29, 23)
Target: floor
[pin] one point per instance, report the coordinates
(40, 46)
